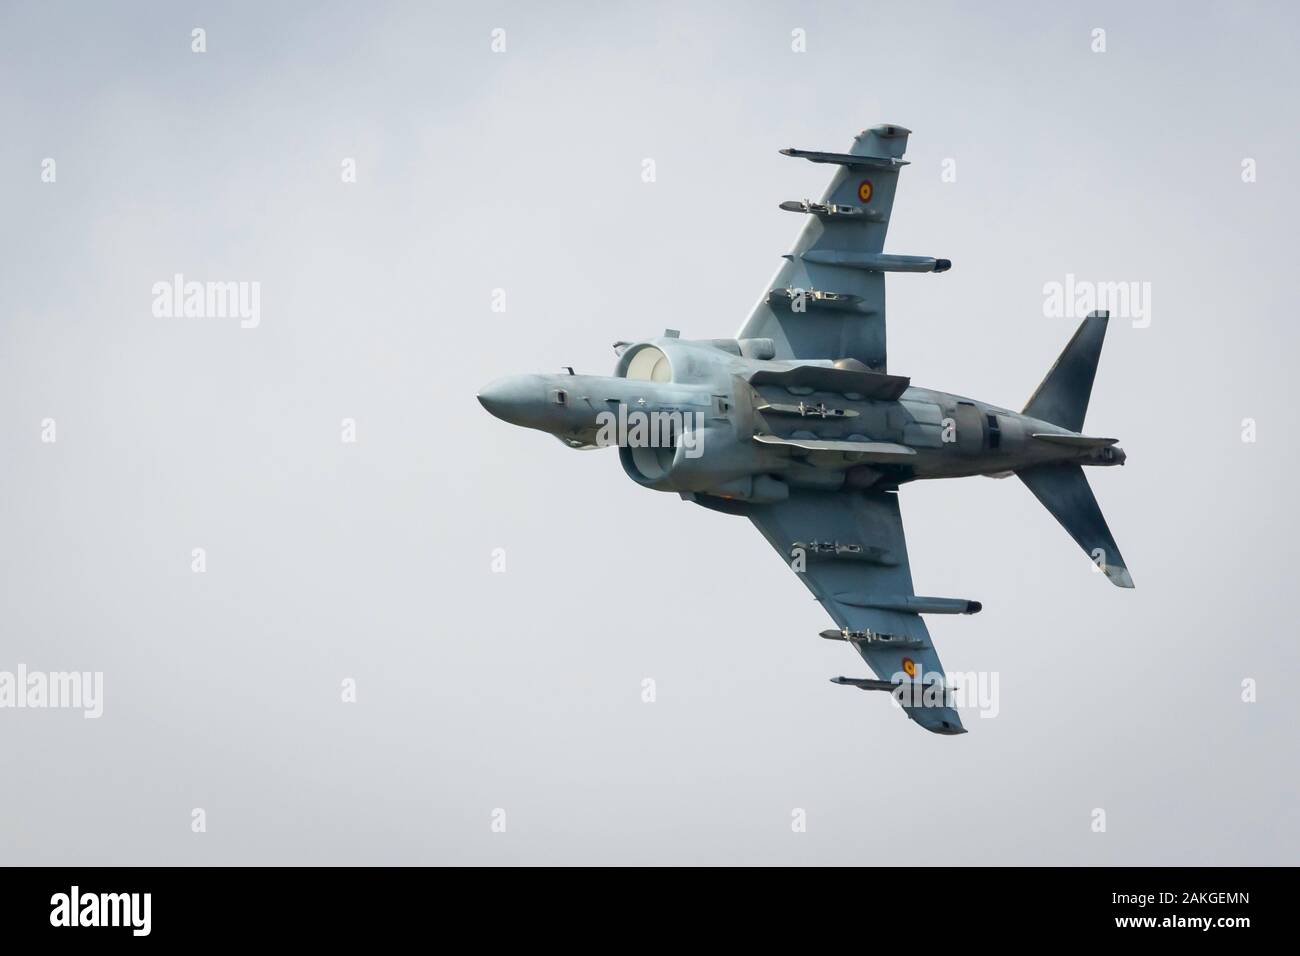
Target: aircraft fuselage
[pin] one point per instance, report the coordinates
(699, 419)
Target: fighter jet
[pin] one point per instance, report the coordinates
(797, 425)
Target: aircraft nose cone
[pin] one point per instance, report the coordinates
(495, 397)
(517, 400)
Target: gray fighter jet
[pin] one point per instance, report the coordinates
(797, 425)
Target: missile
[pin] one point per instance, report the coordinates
(870, 637)
(865, 683)
(842, 551)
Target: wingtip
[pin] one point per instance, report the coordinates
(1119, 576)
(886, 130)
(938, 720)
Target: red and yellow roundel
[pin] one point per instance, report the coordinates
(864, 190)
(909, 667)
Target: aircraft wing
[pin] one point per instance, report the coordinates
(853, 556)
(828, 299)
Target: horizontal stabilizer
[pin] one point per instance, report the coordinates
(1062, 398)
(1064, 491)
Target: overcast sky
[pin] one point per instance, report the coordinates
(371, 561)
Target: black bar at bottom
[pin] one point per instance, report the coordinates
(940, 903)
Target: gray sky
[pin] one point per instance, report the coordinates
(521, 170)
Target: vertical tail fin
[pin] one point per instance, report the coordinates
(1062, 399)
(1064, 492)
